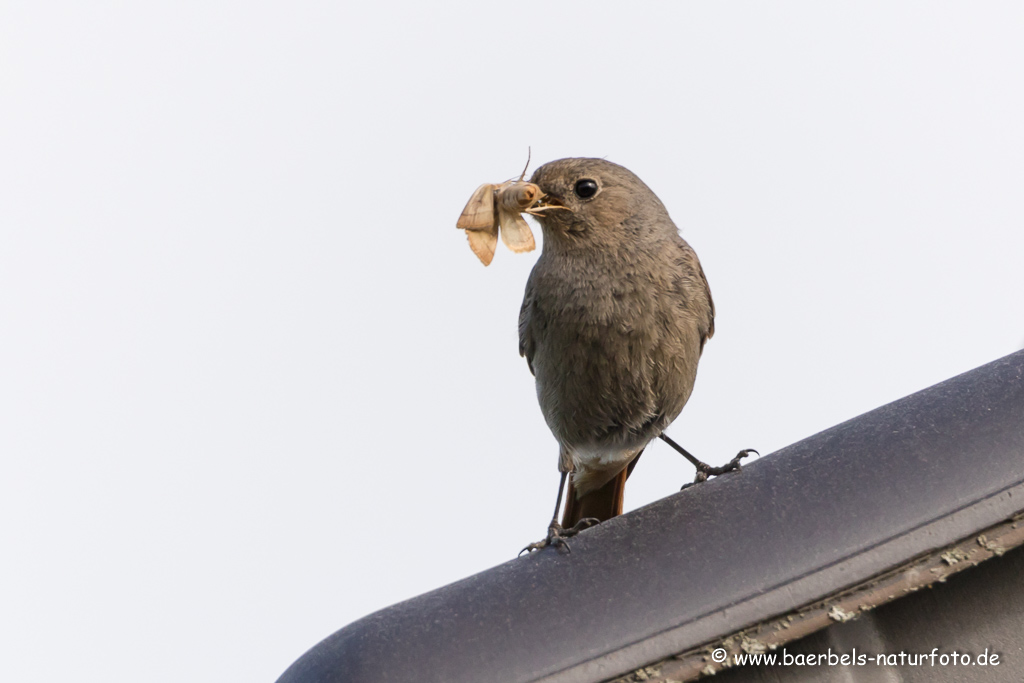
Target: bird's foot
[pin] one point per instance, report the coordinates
(557, 535)
(705, 470)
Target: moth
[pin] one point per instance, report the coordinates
(498, 208)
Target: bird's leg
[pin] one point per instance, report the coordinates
(705, 470)
(556, 533)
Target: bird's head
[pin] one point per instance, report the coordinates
(595, 201)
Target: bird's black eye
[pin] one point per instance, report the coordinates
(586, 188)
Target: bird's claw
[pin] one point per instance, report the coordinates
(557, 535)
(704, 470)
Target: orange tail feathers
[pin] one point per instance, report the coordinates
(602, 504)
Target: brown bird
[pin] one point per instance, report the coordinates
(616, 314)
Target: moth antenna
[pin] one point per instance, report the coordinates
(523, 174)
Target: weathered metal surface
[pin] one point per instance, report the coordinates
(792, 528)
(979, 612)
(849, 604)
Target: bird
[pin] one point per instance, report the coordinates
(614, 319)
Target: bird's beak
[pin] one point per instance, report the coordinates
(550, 200)
(547, 203)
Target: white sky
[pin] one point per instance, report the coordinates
(253, 383)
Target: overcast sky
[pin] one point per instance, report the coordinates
(253, 383)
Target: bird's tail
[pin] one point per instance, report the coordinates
(602, 504)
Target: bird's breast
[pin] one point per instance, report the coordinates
(614, 359)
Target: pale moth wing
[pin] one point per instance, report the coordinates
(479, 211)
(515, 233)
(483, 243)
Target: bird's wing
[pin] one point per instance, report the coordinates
(691, 284)
(526, 341)
(711, 307)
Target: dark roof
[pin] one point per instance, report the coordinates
(819, 516)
